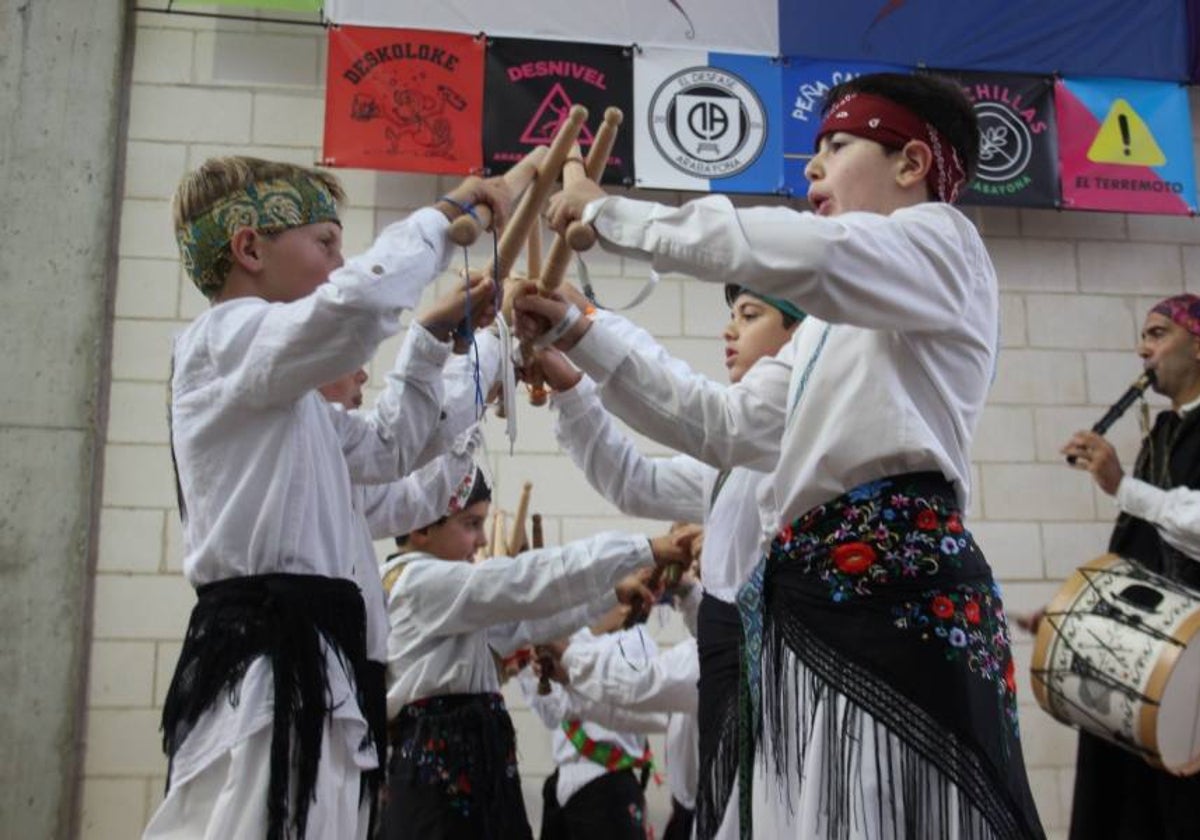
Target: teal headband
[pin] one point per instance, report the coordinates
(271, 206)
(732, 290)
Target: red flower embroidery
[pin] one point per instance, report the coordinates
(1010, 677)
(942, 606)
(971, 611)
(954, 524)
(927, 520)
(785, 536)
(853, 558)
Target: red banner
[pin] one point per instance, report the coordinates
(405, 99)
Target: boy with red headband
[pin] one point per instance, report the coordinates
(879, 687)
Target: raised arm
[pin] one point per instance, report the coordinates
(400, 507)
(653, 488)
(666, 683)
(915, 269)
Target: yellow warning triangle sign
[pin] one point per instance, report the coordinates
(1124, 138)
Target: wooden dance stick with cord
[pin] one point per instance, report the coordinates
(579, 235)
(537, 539)
(465, 229)
(517, 539)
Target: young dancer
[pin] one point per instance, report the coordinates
(453, 769)
(265, 720)
(683, 488)
(879, 686)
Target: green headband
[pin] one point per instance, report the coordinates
(267, 206)
(732, 290)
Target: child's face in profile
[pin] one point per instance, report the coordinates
(460, 536)
(851, 173)
(299, 259)
(755, 329)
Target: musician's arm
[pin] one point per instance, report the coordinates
(1175, 512)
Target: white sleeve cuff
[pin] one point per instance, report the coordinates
(598, 353)
(1141, 499)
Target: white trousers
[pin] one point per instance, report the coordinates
(227, 800)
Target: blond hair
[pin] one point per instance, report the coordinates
(216, 180)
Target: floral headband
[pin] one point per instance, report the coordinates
(1184, 310)
(269, 206)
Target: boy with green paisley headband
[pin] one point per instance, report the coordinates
(273, 721)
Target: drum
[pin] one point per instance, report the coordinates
(1115, 655)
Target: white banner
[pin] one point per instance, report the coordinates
(743, 26)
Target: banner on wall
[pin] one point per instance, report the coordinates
(404, 99)
(805, 83)
(750, 26)
(530, 87)
(707, 121)
(1125, 146)
(1145, 39)
(1018, 142)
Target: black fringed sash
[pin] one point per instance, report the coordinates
(719, 643)
(284, 618)
(882, 597)
(461, 747)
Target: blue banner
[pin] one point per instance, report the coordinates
(1133, 38)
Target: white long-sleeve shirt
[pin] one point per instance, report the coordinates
(1175, 513)
(440, 611)
(678, 488)
(887, 375)
(574, 769)
(266, 465)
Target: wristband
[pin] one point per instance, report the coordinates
(467, 209)
(569, 319)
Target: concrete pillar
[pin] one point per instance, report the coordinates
(61, 122)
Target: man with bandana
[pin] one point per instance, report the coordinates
(1117, 794)
(878, 694)
(274, 720)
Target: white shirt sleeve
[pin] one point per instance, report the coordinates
(1175, 512)
(506, 639)
(382, 444)
(914, 269)
(445, 597)
(722, 425)
(653, 488)
(665, 683)
(459, 406)
(400, 507)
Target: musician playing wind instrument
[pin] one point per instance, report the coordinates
(1117, 793)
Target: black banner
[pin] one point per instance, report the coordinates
(529, 87)
(1018, 139)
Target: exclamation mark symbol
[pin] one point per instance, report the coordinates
(1123, 124)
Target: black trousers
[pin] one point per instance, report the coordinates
(679, 826)
(611, 807)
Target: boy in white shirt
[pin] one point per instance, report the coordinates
(879, 691)
(453, 769)
(682, 488)
(265, 722)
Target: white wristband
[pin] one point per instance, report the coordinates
(569, 319)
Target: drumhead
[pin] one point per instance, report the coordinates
(1177, 723)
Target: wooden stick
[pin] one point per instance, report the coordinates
(497, 544)
(517, 539)
(538, 539)
(560, 255)
(580, 236)
(465, 230)
(533, 252)
(517, 229)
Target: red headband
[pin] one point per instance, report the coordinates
(891, 125)
(1184, 310)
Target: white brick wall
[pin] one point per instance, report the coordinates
(1074, 287)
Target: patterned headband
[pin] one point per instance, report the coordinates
(269, 206)
(1184, 310)
(889, 124)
